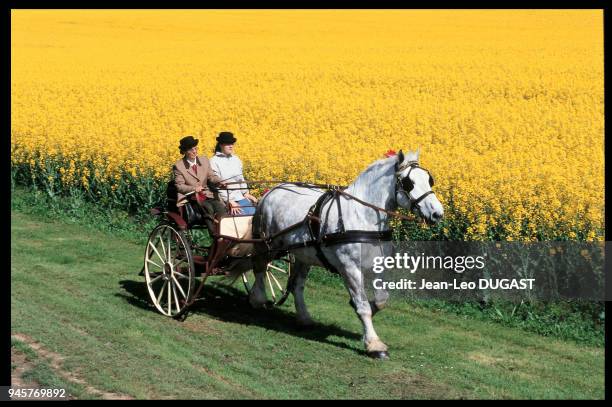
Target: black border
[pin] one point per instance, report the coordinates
(606, 233)
(5, 379)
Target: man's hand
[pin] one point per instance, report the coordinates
(235, 208)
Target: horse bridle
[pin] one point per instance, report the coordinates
(405, 185)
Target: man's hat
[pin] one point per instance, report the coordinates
(225, 137)
(187, 143)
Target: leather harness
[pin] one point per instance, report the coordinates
(320, 238)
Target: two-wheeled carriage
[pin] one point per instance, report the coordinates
(179, 258)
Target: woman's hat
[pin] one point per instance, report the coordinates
(225, 137)
(187, 143)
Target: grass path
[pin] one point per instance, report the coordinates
(77, 293)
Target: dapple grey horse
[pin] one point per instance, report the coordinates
(381, 184)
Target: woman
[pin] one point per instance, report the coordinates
(228, 167)
(192, 173)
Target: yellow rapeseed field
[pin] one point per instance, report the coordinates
(507, 107)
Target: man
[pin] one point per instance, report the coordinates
(192, 173)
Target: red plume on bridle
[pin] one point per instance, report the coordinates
(389, 153)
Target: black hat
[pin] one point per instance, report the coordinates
(225, 137)
(187, 143)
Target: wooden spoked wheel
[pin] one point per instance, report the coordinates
(169, 270)
(276, 279)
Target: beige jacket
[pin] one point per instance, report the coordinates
(186, 179)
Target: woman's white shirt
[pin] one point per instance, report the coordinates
(229, 169)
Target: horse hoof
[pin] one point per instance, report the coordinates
(257, 305)
(379, 354)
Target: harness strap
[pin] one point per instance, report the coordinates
(416, 202)
(369, 205)
(342, 236)
(313, 218)
(314, 227)
(349, 236)
(357, 236)
(340, 221)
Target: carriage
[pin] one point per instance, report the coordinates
(179, 257)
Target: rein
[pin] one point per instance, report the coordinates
(369, 205)
(298, 183)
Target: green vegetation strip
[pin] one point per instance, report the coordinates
(77, 292)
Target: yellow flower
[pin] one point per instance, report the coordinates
(498, 136)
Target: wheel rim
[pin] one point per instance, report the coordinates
(169, 270)
(275, 280)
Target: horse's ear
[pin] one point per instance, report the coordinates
(400, 156)
(418, 152)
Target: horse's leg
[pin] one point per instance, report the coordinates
(257, 296)
(380, 300)
(380, 296)
(301, 272)
(354, 283)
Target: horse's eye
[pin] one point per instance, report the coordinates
(407, 184)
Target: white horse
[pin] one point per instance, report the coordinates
(387, 183)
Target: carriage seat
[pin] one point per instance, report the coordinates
(193, 215)
(240, 227)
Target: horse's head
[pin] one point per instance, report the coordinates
(413, 188)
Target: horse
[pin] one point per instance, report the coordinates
(382, 187)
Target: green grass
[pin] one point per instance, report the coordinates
(44, 375)
(76, 290)
(581, 322)
(568, 320)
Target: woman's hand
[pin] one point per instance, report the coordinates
(235, 208)
(198, 188)
(250, 198)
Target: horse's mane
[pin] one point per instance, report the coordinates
(376, 170)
